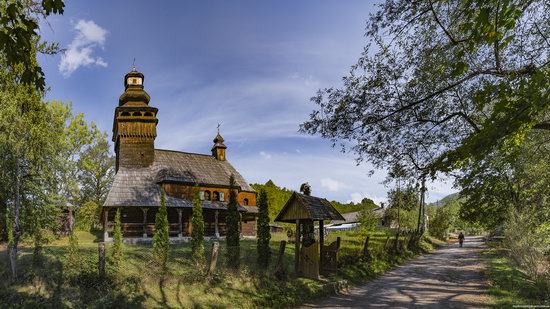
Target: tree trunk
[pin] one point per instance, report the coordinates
(16, 224)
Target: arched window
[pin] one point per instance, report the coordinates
(216, 196)
(125, 114)
(245, 202)
(207, 195)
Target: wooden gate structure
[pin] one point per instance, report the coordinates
(310, 256)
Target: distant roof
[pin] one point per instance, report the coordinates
(301, 206)
(352, 217)
(140, 186)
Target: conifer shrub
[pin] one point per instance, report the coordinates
(161, 241)
(232, 221)
(264, 235)
(197, 234)
(117, 255)
(72, 253)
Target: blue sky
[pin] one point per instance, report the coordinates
(250, 65)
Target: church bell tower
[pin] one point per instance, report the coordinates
(135, 125)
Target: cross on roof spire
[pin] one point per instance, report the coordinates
(219, 128)
(134, 64)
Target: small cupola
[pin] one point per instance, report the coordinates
(134, 94)
(218, 150)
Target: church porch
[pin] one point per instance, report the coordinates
(138, 223)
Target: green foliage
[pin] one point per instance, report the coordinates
(277, 197)
(96, 166)
(117, 255)
(232, 220)
(19, 21)
(368, 220)
(365, 204)
(264, 235)
(508, 182)
(441, 84)
(443, 219)
(402, 209)
(88, 216)
(161, 240)
(197, 234)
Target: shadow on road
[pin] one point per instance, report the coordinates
(450, 277)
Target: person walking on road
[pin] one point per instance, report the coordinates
(460, 239)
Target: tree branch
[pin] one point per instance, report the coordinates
(447, 33)
(542, 126)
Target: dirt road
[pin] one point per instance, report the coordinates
(450, 277)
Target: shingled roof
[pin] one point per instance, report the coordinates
(140, 186)
(301, 206)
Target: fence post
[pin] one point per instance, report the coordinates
(280, 267)
(214, 258)
(101, 264)
(396, 243)
(366, 247)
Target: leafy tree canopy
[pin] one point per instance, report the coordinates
(441, 84)
(19, 38)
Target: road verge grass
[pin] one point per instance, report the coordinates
(509, 286)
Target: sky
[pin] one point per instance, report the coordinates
(251, 66)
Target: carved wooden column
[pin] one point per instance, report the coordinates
(190, 225)
(321, 237)
(240, 225)
(144, 221)
(297, 248)
(216, 229)
(180, 225)
(106, 225)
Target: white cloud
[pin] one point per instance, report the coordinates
(265, 155)
(80, 51)
(331, 184)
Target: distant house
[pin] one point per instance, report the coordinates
(275, 228)
(352, 221)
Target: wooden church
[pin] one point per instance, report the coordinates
(142, 170)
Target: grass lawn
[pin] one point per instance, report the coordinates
(55, 282)
(509, 285)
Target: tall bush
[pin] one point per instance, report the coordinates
(232, 222)
(161, 241)
(72, 252)
(87, 216)
(369, 220)
(117, 254)
(529, 242)
(197, 234)
(264, 235)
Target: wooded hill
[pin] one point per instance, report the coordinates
(278, 196)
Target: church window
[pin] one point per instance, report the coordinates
(216, 196)
(245, 202)
(201, 195)
(125, 114)
(207, 195)
(222, 197)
